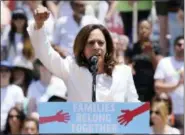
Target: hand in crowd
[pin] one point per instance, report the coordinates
(41, 14)
(181, 80)
(147, 47)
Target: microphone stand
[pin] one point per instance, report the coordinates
(94, 86)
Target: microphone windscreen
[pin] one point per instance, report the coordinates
(93, 60)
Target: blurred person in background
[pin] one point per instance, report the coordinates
(123, 45)
(144, 57)
(65, 9)
(159, 117)
(22, 73)
(180, 14)
(118, 53)
(30, 126)
(5, 16)
(169, 78)
(34, 115)
(29, 6)
(15, 36)
(67, 27)
(126, 12)
(46, 84)
(11, 94)
(14, 122)
(52, 6)
(167, 99)
(55, 95)
(169, 25)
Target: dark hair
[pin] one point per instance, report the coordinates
(56, 99)
(38, 62)
(18, 13)
(28, 119)
(81, 40)
(28, 77)
(21, 118)
(177, 39)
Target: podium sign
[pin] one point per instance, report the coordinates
(99, 117)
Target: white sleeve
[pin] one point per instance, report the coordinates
(5, 35)
(31, 90)
(48, 56)
(19, 95)
(131, 95)
(159, 72)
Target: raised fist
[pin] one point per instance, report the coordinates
(41, 14)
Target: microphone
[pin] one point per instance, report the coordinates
(93, 68)
(93, 60)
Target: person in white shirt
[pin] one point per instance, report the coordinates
(46, 83)
(22, 73)
(159, 117)
(65, 9)
(15, 36)
(169, 78)
(11, 95)
(67, 27)
(114, 81)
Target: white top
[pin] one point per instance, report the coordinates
(168, 69)
(66, 29)
(65, 9)
(14, 50)
(10, 95)
(119, 88)
(39, 92)
(168, 130)
(21, 61)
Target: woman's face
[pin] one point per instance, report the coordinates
(96, 45)
(5, 76)
(156, 116)
(14, 119)
(30, 128)
(145, 30)
(19, 76)
(19, 23)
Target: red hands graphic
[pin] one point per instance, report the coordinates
(62, 117)
(129, 115)
(59, 117)
(126, 117)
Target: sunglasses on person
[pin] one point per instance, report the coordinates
(156, 112)
(12, 116)
(162, 99)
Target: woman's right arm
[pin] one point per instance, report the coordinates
(42, 47)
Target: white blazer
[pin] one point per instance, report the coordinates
(78, 80)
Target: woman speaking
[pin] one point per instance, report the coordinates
(113, 82)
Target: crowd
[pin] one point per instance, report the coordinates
(156, 58)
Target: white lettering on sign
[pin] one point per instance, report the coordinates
(89, 108)
(89, 128)
(93, 118)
